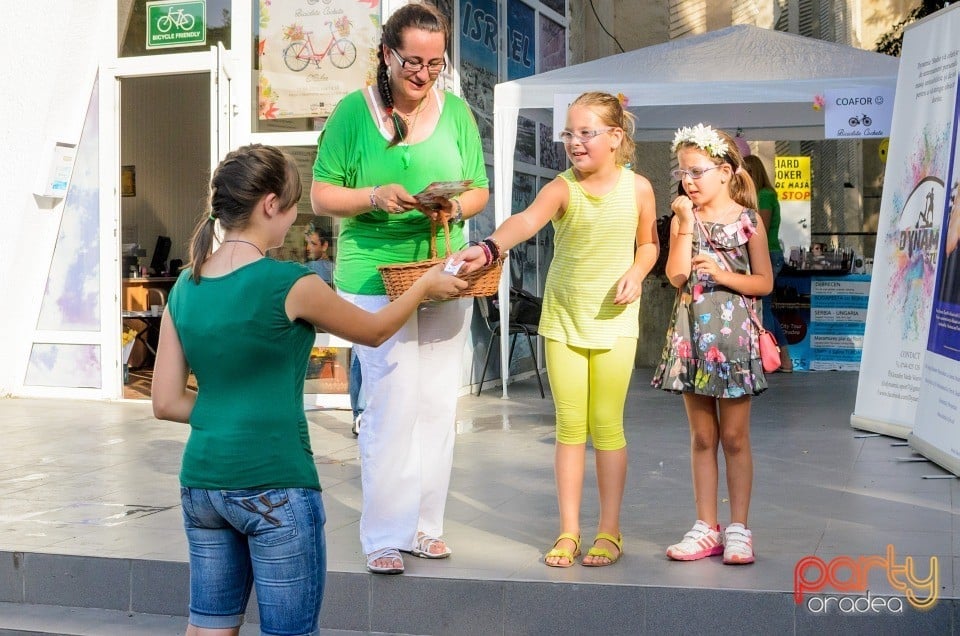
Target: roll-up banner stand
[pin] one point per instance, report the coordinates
(909, 229)
(936, 427)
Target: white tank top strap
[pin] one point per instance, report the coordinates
(379, 116)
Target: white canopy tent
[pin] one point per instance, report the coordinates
(757, 80)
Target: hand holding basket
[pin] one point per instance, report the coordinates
(398, 278)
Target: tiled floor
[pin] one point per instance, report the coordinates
(97, 478)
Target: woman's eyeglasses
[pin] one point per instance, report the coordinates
(695, 173)
(434, 67)
(567, 136)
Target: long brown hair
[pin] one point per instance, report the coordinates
(242, 179)
(758, 172)
(423, 17)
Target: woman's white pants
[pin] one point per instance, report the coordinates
(406, 440)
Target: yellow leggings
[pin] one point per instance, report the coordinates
(589, 389)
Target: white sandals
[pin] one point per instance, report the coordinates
(424, 544)
(422, 549)
(392, 554)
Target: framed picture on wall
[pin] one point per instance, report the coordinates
(128, 181)
(526, 150)
(552, 155)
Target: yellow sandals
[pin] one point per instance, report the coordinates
(594, 551)
(562, 553)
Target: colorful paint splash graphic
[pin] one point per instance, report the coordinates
(911, 280)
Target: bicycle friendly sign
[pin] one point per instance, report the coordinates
(176, 23)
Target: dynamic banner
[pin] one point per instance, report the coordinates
(936, 431)
(313, 52)
(908, 236)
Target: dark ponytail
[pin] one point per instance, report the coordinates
(242, 179)
(386, 96)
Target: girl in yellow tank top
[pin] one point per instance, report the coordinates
(604, 217)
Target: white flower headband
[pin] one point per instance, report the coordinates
(703, 137)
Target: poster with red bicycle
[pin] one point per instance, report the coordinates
(313, 52)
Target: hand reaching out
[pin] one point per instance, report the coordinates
(473, 258)
(441, 285)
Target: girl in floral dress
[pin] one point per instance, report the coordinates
(719, 261)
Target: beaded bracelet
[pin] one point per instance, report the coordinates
(496, 244)
(493, 246)
(373, 198)
(486, 253)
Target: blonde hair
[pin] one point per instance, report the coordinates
(741, 187)
(609, 109)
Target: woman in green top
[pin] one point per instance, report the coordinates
(379, 147)
(244, 326)
(768, 207)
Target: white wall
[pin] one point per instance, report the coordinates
(50, 62)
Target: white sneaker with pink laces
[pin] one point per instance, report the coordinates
(738, 545)
(700, 542)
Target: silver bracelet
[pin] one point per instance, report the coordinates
(458, 217)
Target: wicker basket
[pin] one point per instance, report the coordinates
(399, 277)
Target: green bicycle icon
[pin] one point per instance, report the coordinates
(341, 51)
(179, 19)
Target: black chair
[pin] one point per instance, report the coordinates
(490, 310)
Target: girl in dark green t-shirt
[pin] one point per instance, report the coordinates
(243, 325)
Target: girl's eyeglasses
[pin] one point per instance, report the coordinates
(567, 136)
(434, 68)
(695, 173)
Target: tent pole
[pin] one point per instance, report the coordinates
(504, 142)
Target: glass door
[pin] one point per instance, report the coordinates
(173, 117)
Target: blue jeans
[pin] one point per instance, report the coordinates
(358, 401)
(270, 538)
(770, 322)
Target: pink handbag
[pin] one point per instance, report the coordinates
(769, 350)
